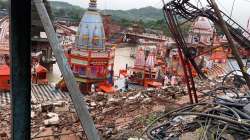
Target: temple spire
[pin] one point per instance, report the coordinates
(92, 5)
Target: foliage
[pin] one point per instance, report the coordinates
(146, 14)
(157, 25)
(63, 9)
(149, 17)
(3, 4)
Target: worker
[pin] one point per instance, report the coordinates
(126, 84)
(93, 88)
(166, 80)
(173, 80)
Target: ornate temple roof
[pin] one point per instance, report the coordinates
(151, 60)
(140, 58)
(91, 33)
(202, 25)
(248, 30)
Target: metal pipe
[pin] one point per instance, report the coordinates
(20, 43)
(170, 25)
(192, 82)
(79, 103)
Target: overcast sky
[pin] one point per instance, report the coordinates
(241, 11)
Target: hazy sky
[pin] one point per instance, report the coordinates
(241, 11)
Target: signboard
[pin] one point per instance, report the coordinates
(98, 62)
(99, 54)
(81, 53)
(79, 62)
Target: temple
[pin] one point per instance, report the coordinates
(92, 59)
(149, 68)
(201, 32)
(247, 29)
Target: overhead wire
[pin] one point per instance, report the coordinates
(232, 9)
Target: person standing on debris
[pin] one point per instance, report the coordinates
(209, 64)
(126, 84)
(173, 80)
(166, 80)
(93, 88)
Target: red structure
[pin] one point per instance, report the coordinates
(90, 66)
(39, 74)
(146, 69)
(92, 59)
(4, 78)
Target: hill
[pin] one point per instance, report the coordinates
(144, 14)
(63, 9)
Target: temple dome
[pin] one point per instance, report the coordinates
(202, 23)
(247, 35)
(91, 33)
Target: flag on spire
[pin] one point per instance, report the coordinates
(92, 5)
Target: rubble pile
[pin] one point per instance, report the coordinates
(117, 116)
(124, 115)
(5, 122)
(208, 120)
(225, 115)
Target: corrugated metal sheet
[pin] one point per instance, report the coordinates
(39, 94)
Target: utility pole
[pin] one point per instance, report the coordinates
(231, 43)
(79, 104)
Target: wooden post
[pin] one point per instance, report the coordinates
(79, 103)
(231, 43)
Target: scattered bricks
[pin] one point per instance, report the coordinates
(33, 114)
(59, 104)
(3, 135)
(118, 116)
(45, 134)
(48, 107)
(93, 104)
(68, 135)
(74, 117)
(53, 119)
(37, 108)
(159, 108)
(135, 139)
(64, 108)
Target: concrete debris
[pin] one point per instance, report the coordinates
(222, 115)
(53, 119)
(135, 139)
(32, 114)
(123, 115)
(48, 107)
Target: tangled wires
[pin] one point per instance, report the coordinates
(228, 114)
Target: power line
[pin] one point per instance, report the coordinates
(232, 9)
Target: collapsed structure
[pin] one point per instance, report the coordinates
(224, 114)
